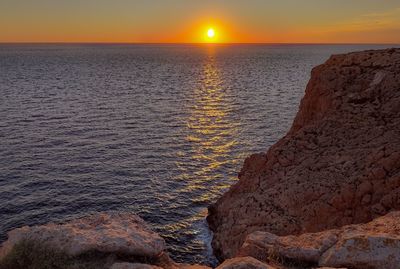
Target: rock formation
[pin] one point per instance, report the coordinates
(339, 164)
(121, 233)
(372, 245)
(125, 237)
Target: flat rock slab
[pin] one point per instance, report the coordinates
(121, 233)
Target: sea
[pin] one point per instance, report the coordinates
(158, 130)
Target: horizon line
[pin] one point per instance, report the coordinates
(196, 43)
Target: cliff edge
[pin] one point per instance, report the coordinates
(339, 164)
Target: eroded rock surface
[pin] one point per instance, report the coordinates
(121, 233)
(339, 164)
(374, 245)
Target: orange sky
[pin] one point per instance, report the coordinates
(237, 21)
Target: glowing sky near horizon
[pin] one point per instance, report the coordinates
(248, 21)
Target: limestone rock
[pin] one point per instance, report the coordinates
(372, 251)
(372, 245)
(305, 248)
(244, 263)
(121, 233)
(339, 164)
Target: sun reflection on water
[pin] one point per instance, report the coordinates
(212, 129)
(207, 166)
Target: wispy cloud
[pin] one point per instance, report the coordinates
(372, 21)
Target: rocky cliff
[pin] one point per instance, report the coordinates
(339, 163)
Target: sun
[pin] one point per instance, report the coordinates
(211, 33)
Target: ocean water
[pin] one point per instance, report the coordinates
(157, 130)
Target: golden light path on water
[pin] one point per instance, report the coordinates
(212, 135)
(213, 131)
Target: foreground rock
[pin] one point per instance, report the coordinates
(339, 164)
(121, 233)
(123, 237)
(374, 245)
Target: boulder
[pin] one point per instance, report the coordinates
(339, 164)
(120, 233)
(360, 246)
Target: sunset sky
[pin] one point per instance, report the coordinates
(237, 21)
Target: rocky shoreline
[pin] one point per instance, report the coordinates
(339, 164)
(325, 195)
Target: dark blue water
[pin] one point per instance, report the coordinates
(158, 130)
